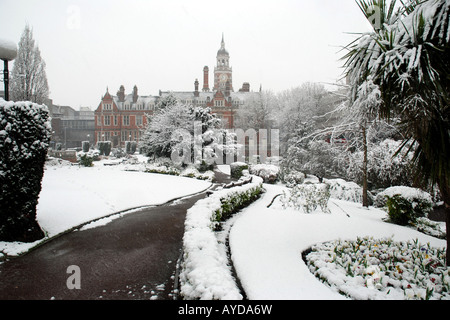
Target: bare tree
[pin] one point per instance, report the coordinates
(29, 79)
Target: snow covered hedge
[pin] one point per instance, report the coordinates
(308, 197)
(25, 131)
(404, 204)
(411, 194)
(189, 172)
(345, 190)
(268, 172)
(236, 169)
(206, 274)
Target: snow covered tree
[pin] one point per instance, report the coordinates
(172, 131)
(28, 76)
(25, 131)
(157, 140)
(169, 100)
(257, 113)
(407, 55)
(305, 111)
(361, 115)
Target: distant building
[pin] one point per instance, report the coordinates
(122, 117)
(71, 127)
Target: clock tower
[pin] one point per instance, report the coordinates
(223, 72)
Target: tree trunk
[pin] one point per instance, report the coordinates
(444, 187)
(364, 169)
(447, 212)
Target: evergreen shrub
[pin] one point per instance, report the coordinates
(404, 211)
(25, 131)
(85, 146)
(104, 147)
(236, 169)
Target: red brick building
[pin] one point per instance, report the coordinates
(122, 117)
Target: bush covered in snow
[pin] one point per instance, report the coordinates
(205, 272)
(268, 172)
(192, 172)
(237, 168)
(411, 194)
(307, 197)
(405, 204)
(233, 202)
(85, 160)
(166, 166)
(344, 190)
(292, 177)
(25, 132)
(371, 269)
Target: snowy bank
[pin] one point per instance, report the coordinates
(206, 273)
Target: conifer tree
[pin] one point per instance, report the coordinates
(28, 76)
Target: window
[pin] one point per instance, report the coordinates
(107, 106)
(116, 120)
(126, 120)
(139, 120)
(107, 120)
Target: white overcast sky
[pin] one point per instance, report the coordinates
(164, 44)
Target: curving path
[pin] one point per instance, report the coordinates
(132, 257)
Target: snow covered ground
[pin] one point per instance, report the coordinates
(73, 195)
(266, 244)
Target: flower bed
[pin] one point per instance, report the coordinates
(381, 269)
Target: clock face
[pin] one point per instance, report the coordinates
(223, 78)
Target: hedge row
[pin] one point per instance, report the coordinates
(205, 271)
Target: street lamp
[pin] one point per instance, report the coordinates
(8, 52)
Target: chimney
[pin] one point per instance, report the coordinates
(205, 79)
(245, 87)
(121, 94)
(196, 93)
(135, 94)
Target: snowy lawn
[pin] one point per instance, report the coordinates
(73, 195)
(267, 244)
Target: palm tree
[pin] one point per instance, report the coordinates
(408, 56)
